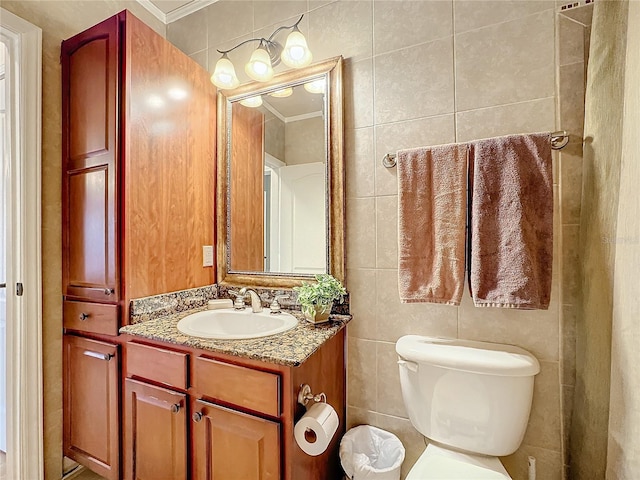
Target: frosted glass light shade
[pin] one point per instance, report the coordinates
(296, 53)
(259, 67)
(224, 76)
(316, 86)
(252, 102)
(282, 93)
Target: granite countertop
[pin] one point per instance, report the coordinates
(290, 348)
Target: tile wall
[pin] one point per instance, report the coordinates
(423, 73)
(574, 31)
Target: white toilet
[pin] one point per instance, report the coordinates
(470, 399)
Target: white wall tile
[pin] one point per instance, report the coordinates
(270, 12)
(360, 162)
(414, 82)
(472, 14)
(396, 319)
(506, 63)
(387, 232)
(189, 33)
(403, 24)
(361, 232)
(342, 28)
(228, 19)
(534, 330)
(526, 117)
(362, 296)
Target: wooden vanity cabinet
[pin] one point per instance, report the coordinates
(155, 413)
(240, 418)
(233, 445)
(156, 432)
(91, 399)
(138, 173)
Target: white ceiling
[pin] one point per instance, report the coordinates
(169, 11)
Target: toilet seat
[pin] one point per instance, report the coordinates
(438, 463)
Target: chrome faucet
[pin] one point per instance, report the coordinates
(256, 301)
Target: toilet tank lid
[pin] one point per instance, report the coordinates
(469, 356)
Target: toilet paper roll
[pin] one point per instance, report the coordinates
(316, 428)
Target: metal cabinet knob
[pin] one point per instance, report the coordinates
(196, 417)
(108, 291)
(175, 408)
(84, 316)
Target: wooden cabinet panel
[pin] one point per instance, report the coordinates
(91, 413)
(90, 95)
(230, 445)
(91, 317)
(241, 386)
(155, 433)
(157, 364)
(169, 172)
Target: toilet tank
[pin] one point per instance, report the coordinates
(471, 396)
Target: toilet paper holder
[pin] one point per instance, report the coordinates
(305, 395)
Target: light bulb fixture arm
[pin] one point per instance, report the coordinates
(285, 27)
(263, 41)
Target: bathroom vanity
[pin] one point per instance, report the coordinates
(226, 415)
(139, 186)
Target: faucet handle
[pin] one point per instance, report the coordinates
(275, 305)
(238, 303)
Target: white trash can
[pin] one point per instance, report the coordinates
(370, 453)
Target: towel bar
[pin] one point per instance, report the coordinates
(559, 140)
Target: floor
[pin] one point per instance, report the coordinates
(87, 475)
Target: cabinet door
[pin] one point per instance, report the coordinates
(230, 445)
(155, 433)
(90, 96)
(91, 412)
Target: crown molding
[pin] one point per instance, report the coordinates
(187, 9)
(176, 14)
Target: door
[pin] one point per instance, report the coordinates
(303, 224)
(230, 445)
(4, 252)
(20, 180)
(91, 412)
(90, 95)
(155, 433)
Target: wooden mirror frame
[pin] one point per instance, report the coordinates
(335, 175)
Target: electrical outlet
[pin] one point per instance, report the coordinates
(207, 256)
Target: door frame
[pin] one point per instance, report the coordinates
(25, 451)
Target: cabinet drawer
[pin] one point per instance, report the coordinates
(241, 386)
(91, 317)
(157, 364)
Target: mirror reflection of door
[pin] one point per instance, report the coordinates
(288, 133)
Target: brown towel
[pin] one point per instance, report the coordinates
(431, 210)
(511, 221)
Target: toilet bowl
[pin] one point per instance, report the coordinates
(470, 399)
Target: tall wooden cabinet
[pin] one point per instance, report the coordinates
(138, 177)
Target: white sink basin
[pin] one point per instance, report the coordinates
(230, 324)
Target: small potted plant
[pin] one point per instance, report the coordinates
(317, 298)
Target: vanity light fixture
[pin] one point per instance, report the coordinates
(295, 54)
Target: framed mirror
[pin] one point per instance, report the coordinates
(280, 180)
